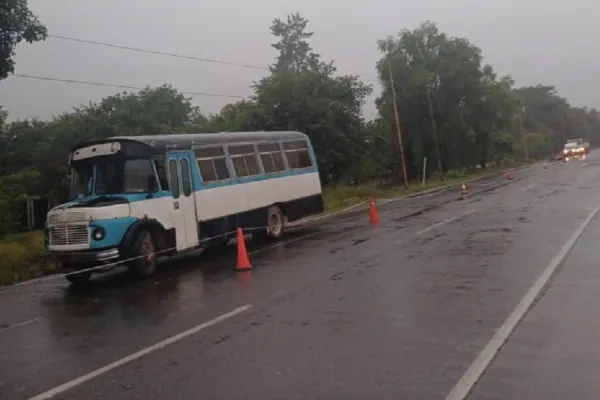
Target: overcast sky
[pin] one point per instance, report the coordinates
(536, 41)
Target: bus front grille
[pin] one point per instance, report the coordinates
(67, 216)
(69, 234)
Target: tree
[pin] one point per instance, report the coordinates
(302, 93)
(243, 115)
(548, 113)
(294, 51)
(17, 23)
(469, 102)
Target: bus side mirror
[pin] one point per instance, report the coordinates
(152, 185)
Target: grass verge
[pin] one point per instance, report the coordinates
(22, 257)
(342, 196)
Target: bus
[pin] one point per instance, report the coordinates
(136, 198)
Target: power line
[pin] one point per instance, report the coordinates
(160, 53)
(111, 85)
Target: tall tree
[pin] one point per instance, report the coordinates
(431, 66)
(303, 94)
(294, 50)
(17, 23)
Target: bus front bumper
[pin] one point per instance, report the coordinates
(87, 258)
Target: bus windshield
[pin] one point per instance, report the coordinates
(81, 181)
(110, 176)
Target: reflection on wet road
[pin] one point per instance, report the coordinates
(341, 309)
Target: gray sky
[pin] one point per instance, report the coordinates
(536, 41)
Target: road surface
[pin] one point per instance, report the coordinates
(413, 308)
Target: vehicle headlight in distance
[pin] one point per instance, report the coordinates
(98, 233)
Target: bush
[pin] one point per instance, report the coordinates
(22, 257)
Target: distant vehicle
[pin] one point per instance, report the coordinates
(138, 196)
(575, 149)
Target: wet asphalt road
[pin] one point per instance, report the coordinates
(344, 310)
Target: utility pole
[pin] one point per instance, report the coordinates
(435, 136)
(525, 149)
(397, 118)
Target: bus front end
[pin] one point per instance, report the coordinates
(77, 237)
(91, 232)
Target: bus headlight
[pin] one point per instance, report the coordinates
(98, 233)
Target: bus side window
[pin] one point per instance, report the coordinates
(161, 171)
(174, 178)
(297, 154)
(185, 177)
(212, 164)
(244, 161)
(271, 157)
(221, 168)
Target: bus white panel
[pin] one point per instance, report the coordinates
(232, 199)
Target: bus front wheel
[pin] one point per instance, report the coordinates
(144, 254)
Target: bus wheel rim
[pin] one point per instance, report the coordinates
(275, 224)
(147, 255)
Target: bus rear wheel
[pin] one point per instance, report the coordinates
(275, 222)
(144, 252)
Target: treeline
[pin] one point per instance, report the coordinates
(453, 109)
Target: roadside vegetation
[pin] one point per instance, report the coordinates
(455, 111)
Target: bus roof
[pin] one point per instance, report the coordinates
(185, 141)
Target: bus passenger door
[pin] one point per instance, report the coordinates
(183, 207)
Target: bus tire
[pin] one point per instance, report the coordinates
(275, 222)
(144, 252)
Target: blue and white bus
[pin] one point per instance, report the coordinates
(133, 197)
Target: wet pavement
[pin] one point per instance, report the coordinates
(555, 352)
(340, 310)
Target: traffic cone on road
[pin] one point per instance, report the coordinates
(464, 192)
(243, 263)
(509, 175)
(373, 217)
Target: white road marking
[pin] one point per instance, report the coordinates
(444, 222)
(132, 357)
(19, 324)
(478, 367)
(527, 188)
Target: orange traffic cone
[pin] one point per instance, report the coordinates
(464, 192)
(509, 175)
(243, 263)
(373, 217)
